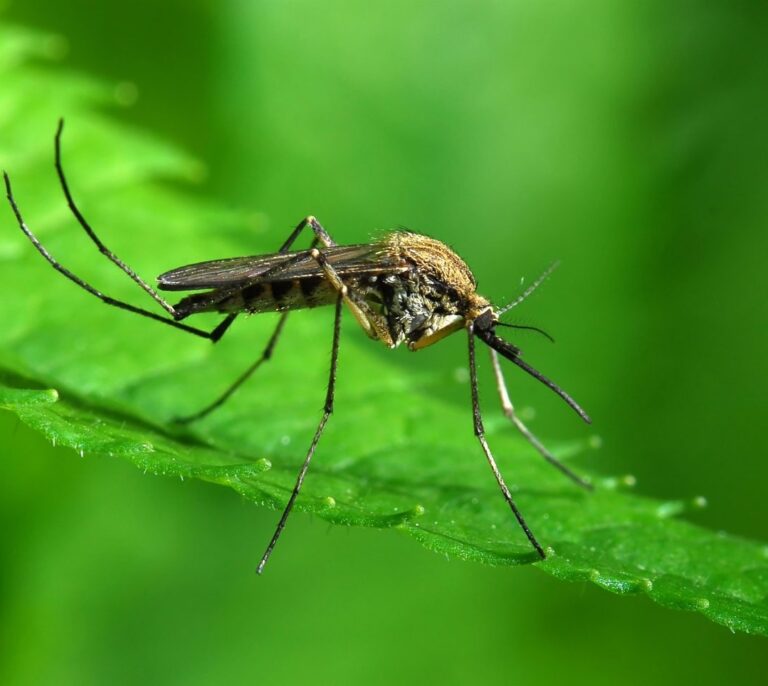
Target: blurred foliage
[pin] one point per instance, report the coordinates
(625, 140)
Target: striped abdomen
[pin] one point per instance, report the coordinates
(267, 296)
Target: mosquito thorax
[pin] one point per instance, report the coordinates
(430, 256)
(430, 299)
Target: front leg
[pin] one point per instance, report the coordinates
(509, 412)
(480, 434)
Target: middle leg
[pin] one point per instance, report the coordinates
(264, 357)
(327, 411)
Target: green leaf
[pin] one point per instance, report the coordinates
(394, 455)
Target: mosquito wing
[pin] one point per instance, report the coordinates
(368, 258)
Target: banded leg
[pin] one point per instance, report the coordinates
(480, 433)
(213, 335)
(327, 411)
(509, 411)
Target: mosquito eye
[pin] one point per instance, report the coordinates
(484, 321)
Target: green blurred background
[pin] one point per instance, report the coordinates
(626, 139)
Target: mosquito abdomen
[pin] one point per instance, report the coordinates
(267, 296)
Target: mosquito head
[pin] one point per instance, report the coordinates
(484, 327)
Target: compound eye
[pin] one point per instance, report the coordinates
(485, 320)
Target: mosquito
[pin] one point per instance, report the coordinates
(404, 288)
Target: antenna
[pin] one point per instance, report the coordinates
(530, 289)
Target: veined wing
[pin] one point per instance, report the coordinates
(368, 258)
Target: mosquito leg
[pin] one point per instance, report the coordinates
(213, 335)
(265, 355)
(321, 235)
(480, 433)
(321, 426)
(92, 234)
(509, 411)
